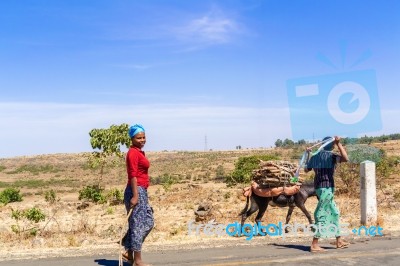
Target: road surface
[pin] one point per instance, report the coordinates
(379, 251)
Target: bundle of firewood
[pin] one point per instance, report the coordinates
(276, 174)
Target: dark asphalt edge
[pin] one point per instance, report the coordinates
(111, 250)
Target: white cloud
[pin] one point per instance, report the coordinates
(39, 128)
(176, 28)
(209, 29)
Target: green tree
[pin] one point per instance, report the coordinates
(365, 140)
(107, 144)
(383, 138)
(288, 143)
(301, 142)
(278, 143)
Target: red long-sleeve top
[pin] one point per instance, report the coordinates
(137, 166)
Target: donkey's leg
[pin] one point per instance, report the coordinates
(288, 216)
(263, 205)
(306, 213)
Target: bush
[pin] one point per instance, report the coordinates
(168, 180)
(115, 196)
(244, 167)
(349, 173)
(98, 195)
(50, 196)
(219, 172)
(33, 215)
(360, 152)
(92, 193)
(10, 195)
(35, 169)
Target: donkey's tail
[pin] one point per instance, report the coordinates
(245, 207)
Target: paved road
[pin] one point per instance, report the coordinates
(384, 251)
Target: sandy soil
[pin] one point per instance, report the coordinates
(73, 227)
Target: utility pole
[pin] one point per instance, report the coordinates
(205, 143)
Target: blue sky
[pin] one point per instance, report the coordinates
(186, 70)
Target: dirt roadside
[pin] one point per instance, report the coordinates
(73, 227)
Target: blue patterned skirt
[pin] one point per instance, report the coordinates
(141, 220)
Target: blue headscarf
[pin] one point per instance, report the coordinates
(133, 130)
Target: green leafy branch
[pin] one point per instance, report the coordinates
(32, 216)
(107, 144)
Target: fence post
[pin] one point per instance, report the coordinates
(368, 193)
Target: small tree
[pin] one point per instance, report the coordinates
(287, 143)
(50, 196)
(278, 143)
(108, 144)
(301, 142)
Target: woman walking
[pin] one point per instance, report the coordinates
(141, 220)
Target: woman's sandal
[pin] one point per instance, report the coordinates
(316, 250)
(125, 257)
(343, 244)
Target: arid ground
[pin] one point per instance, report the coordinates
(79, 226)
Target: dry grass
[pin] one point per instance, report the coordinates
(392, 147)
(67, 226)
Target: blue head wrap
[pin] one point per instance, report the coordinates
(329, 146)
(133, 130)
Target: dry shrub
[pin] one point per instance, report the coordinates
(72, 241)
(84, 226)
(347, 177)
(380, 221)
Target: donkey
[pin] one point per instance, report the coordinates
(261, 203)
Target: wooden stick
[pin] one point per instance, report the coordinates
(121, 263)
